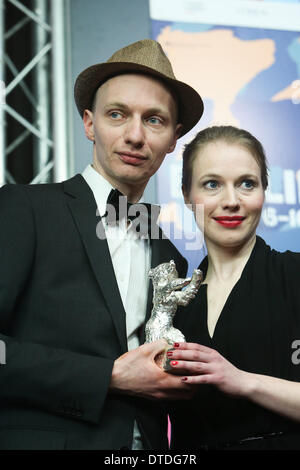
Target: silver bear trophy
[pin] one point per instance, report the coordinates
(167, 295)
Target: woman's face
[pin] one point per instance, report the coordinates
(226, 185)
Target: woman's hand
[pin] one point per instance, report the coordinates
(202, 365)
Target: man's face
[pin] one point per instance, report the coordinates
(133, 126)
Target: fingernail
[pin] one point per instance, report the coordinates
(174, 363)
(169, 353)
(176, 345)
(184, 379)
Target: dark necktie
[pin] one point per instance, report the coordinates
(140, 214)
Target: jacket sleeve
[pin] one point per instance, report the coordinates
(35, 375)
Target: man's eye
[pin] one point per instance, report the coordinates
(211, 184)
(115, 115)
(154, 120)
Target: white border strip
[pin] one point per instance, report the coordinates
(247, 13)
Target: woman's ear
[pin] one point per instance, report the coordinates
(88, 124)
(186, 198)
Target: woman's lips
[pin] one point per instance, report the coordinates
(132, 158)
(229, 222)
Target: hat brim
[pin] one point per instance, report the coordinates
(190, 103)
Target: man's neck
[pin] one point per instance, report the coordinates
(133, 192)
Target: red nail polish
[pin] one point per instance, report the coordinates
(174, 363)
(184, 379)
(176, 345)
(169, 353)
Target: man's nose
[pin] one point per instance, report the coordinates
(134, 132)
(230, 198)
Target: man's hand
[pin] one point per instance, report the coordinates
(136, 373)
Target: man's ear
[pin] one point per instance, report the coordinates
(88, 124)
(176, 137)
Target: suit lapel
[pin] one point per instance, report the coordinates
(83, 208)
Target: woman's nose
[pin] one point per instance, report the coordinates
(230, 199)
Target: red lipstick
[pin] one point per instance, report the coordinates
(230, 221)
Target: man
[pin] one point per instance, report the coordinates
(73, 303)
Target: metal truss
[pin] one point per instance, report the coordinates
(48, 100)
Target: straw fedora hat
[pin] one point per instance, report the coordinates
(147, 57)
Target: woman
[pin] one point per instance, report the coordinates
(243, 326)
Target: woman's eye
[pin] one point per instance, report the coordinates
(247, 184)
(212, 184)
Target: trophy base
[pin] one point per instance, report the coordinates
(163, 361)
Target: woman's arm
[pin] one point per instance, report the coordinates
(203, 365)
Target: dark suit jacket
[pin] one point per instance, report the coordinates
(63, 323)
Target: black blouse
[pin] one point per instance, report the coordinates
(255, 332)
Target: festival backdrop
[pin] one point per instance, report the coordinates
(243, 57)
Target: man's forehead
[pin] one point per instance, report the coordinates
(136, 78)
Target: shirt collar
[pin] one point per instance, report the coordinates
(100, 187)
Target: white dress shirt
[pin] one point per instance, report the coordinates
(131, 259)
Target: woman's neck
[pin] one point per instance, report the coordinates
(227, 263)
